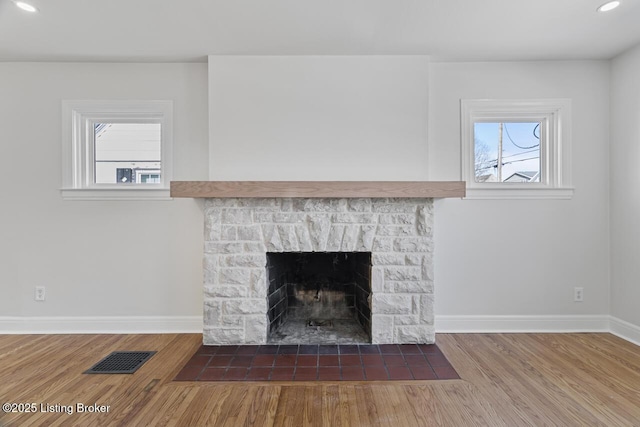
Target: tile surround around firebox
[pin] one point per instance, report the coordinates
(240, 231)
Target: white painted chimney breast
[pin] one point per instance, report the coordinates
(309, 118)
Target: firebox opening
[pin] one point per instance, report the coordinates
(319, 297)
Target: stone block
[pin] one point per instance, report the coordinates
(381, 329)
(320, 205)
(413, 259)
(319, 226)
(229, 232)
(410, 287)
(359, 205)
(210, 262)
(232, 322)
(410, 319)
(365, 238)
(223, 248)
(210, 265)
(393, 207)
(212, 215)
(427, 268)
(397, 219)
(258, 283)
(412, 334)
(411, 244)
(237, 216)
(288, 238)
(256, 327)
(250, 233)
(234, 276)
(391, 304)
(389, 258)
(303, 237)
(222, 291)
(399, 273)
(289, 217)
(244, 306)
(263, 217)
(212, 314)
(220, 336)
(258, 203)
(426, 309)
(377, 279)
(255, 247)
(220, 203)
(350, 238)
(244, 260)
(286, 205)
(213, 232)
(425, 222)
(272, 239)
(389, 288)
(382, 244)
(396, 230)
(354, 218)
(334, 242)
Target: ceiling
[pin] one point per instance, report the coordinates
(188, 30)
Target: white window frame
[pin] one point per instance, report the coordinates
(554, 116)
(78, 148)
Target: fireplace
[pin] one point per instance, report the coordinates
(319, 297)
(243, 237)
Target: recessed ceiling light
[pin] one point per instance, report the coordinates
(608, 6)
(25, 6)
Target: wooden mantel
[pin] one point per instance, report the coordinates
(315, 189)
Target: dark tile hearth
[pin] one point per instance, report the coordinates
(365, 362)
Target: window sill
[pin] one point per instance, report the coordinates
(519, 193)
(115, 194)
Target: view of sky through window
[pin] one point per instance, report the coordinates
(507, 152)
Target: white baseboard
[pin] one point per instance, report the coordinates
(193, 324)
(488, 324)
(624, 330)
(101, 325)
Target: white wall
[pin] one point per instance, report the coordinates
(144, 258)
(110, 258)
(480, 268)
(625, 187)
(267, 123)
(318, 117)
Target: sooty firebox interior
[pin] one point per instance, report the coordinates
(319, 297)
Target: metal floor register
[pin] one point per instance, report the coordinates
(121, 362)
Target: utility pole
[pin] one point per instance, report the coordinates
(500, 153)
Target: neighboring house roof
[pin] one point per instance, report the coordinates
(523, 176)
(528, 174)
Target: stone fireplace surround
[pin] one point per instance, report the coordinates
(240, 231)
(393, 220)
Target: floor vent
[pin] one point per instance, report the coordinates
(121, 362)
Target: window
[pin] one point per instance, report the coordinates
(117, 149)
(516, 148)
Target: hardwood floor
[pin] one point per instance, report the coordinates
(507, 380)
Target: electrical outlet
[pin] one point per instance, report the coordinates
(40, 293)
(578, 294)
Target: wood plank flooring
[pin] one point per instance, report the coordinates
(506, 380)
